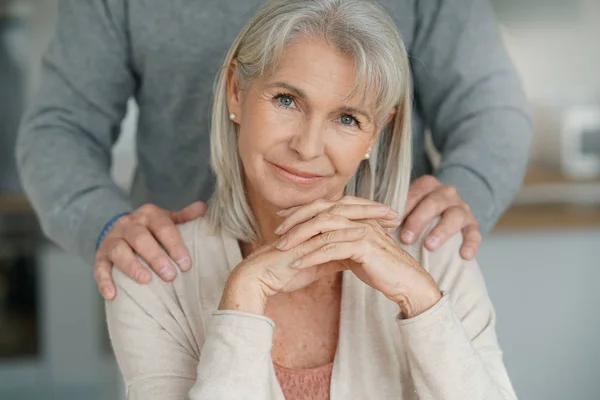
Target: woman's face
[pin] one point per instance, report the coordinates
(298, 139)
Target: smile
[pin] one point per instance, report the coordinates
(293, 175)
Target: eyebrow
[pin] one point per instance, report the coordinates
(302, 94)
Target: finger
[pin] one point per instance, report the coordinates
(453, 220)
(337, 236)
(122, 257)
(417, 191)
(189, 213)
(322, 223)
(377, 211)
(430, 207)
(329, 252)
(167, 234)
(141, 241)
(106, 286)
(343, 200)
(471, 241)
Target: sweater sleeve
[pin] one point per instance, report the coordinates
(452, 348)
(236, 359)
(65, 140)
(473, 101)
(155, 344)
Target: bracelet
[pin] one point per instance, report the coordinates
(108, 227)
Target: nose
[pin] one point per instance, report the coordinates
(308, 141)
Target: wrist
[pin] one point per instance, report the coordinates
(107, 227)
(241, 295)
(418, 301)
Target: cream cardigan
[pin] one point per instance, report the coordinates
(171, 343)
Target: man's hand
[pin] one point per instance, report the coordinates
(428, 199)
(143, 232)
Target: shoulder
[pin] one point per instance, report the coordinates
(182, 292)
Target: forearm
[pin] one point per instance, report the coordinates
(473, 101)
(236, 359)
(65, 140)
(69, 187)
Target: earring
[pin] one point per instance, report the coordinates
(232, 116)
(367, 156)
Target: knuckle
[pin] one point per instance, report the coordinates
(338, 208)
(325, 216)
(429, 181)
(147, 208)
(137, 240)
(449, 191)
(327, 237)
(164, 230)
(328, 248)
(117, 249)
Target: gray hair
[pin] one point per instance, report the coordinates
(363, 30)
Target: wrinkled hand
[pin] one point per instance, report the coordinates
(143, 232)
(375, 258)
(428, 199)
(268, 270)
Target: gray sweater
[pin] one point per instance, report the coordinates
(166, 54)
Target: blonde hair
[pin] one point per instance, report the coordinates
(363, 30)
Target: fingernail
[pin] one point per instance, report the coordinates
(141, 275)
(383, 209)
(468, 252)
(108, 293)
(281, 244)
(279, 229)
(394, 214)
(433, 241)
(407, 236)
(167, 272)
(184, 263)
(280, 212)
(296, 264)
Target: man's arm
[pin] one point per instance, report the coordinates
(473, 102)
(65, 140)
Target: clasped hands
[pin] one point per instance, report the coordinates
(325, 237)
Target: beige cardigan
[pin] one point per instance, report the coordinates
(171, 343)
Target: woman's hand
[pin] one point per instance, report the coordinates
(143, 232)
(374, 258)
(268, 271)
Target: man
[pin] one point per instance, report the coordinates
(166, 54)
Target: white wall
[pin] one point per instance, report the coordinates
(555, 46)
(544, 285)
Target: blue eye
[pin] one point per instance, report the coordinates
(347, 120)
(285, 100)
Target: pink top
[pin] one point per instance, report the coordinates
(305, 384)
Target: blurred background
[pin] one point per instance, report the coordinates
(540, 262)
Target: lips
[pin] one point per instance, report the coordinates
(294, 171)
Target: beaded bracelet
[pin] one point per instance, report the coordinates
(108, 227)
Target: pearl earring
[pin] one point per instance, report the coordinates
(367, 156)
(232, 116)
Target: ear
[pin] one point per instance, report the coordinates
(234, 103)
(389, 119)
(391, 115)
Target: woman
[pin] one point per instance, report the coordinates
(299, 291)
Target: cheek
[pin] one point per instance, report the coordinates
(347, 154)
(260, 132)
